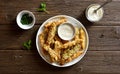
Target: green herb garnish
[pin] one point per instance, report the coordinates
(27, 44)
(26, 19)
(42, 8)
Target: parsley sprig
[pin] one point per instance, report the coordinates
(27, 44)
(42, 8)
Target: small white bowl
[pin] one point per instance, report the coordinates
(19, 16)
(66, 31)
(94, 16)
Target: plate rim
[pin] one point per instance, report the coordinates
(81, 56)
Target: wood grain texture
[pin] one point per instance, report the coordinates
(73, 8)
(103, 54)
(24, 61)
(105, 38)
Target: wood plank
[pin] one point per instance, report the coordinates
(23, 61)
(104, 38)
(104, 49)
(101, 37)
(74, 8)
(12, 37)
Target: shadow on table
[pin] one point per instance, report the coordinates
(14, 28)
(82, 18)
(47, 68)
(16, 32)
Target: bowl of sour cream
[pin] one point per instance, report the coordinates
(66, 31)
(92, 15)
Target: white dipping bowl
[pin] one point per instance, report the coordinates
(93, 16)
(19, 16)
(66, 31)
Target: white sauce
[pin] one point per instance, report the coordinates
(92, 16)
(66, 31)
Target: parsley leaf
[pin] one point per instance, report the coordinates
(42, 8)
(27, 44)
(43, 5)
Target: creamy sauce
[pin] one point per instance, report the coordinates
(66, 31)
(94, 16)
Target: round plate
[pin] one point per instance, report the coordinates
(76, 24)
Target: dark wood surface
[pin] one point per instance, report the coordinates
(103, 55)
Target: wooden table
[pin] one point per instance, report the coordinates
(103, 55)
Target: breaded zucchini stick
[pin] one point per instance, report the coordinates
(43, 36)
(58, 22)
(51, 33)
(71, 53)
(82, 36)
(54, 56)
(77, 36)
(71, 43)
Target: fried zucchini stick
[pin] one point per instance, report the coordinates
(58, 22)
(82, 36)
(71, 43)
(77, 36)
(54, 56)
(71, 53)
(51, 34)
(43, 36)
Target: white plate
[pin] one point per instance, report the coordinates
(76, 24)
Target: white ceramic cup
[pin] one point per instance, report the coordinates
(19, 16)
(93, 16)
(66, 31)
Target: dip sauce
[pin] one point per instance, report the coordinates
(94, 16)
(66, 31)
